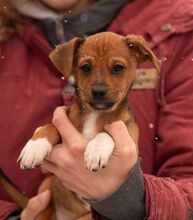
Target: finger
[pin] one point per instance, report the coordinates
(44, 171)
(36, 205)
(49, 167)
(86, 217)
(120, 134)
(67, 131)
(60, 157)
(67, 178)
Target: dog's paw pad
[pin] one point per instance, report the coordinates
(33, 153)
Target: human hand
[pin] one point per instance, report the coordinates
(36, 205)
(66, 160)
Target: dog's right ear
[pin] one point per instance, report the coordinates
(63, 56)
(142, 52)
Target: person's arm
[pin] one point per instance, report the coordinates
(169, 193)
(127, 202)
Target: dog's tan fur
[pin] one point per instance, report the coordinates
(101, 51)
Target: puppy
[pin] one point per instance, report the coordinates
(104, 67)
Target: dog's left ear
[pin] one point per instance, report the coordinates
(63, 56)
(141, 50)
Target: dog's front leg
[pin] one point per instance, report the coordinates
(98, 151)
(38, 146)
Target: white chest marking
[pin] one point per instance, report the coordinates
(89, 127)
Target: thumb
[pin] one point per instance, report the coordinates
(36, 205)
(121, 136)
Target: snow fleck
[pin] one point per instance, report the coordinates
(4, 7)
(70, 11)
(2, 57)
(130, 45)
(156, 138)
(192, 59)
(62, 77)
(65, 21)
(151, 125)
(163, 59)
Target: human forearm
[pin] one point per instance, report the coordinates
(167, 198)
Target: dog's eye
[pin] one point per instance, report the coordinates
(86, 68)
(117, 69)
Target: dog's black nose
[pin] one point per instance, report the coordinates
(99, 91)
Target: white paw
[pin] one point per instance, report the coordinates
(33, 153)
(98, 152)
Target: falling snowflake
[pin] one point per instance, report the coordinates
(151, 125)
(163, 59)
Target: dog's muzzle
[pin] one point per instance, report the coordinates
(99, 100)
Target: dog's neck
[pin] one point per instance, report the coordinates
(85, 118)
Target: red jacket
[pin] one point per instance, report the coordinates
(31, 88)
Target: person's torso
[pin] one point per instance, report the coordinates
(31, 89)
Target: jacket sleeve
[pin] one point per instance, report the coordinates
(6, 208)
(169, 193)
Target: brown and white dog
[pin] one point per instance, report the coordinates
(104, 67)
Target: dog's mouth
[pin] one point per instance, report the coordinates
(102, 105)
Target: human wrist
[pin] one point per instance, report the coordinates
(103, 189)
(128, 199)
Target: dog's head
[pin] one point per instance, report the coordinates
(103, 65)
